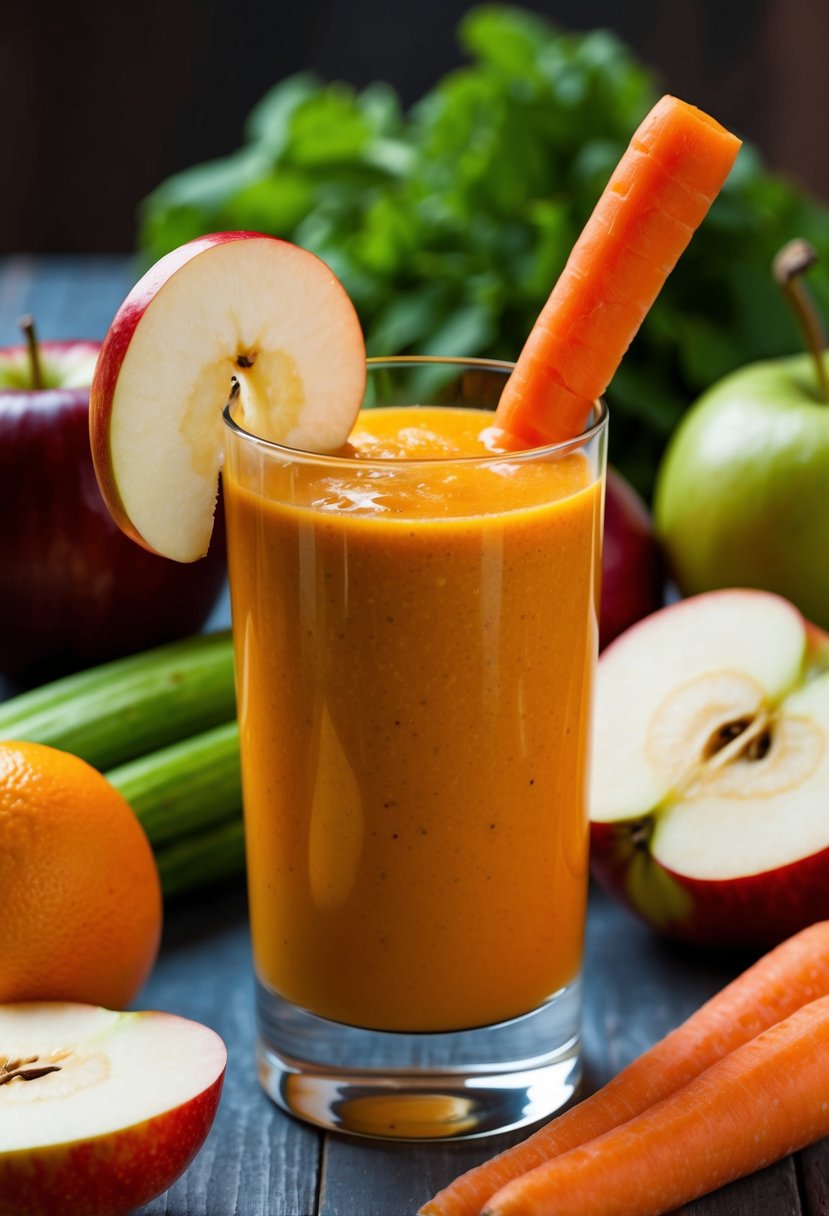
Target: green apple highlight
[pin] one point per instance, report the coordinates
(742, 498)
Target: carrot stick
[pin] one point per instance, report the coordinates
(793, 974)
(656, 198)
(768, 1098)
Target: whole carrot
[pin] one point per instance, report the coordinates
(788, 977)
(766, 1099)
(656, 198)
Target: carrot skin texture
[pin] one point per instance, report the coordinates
(793, 974)
(655, 200)
(768, 1098)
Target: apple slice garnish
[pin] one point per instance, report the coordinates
(710, 777)
(100, 1111)
(231, 314)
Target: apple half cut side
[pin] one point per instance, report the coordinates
(100, 1111)
(230, 313)
(709, 803)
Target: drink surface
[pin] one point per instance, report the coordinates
(415, 642)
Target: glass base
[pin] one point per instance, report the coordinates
(437, 1086)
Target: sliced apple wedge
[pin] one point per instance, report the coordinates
(100, 1111)
(710, 782)
(233, 313)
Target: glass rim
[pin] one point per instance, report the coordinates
(378, 362)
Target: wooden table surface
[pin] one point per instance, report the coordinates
(259, 1162)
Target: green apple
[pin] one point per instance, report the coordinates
(742, 494)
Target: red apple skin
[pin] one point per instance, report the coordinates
(633, 581)
(108, 1175)
(76, 591)
(113, 351)
(749, 912)
(754, 912)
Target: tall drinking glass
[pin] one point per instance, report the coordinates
(416, 636)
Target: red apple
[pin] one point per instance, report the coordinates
(233, 313)
(632, 572)
(710, 777)
(100, 1111)
(75, 591)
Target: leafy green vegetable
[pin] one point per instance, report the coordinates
(449, 224)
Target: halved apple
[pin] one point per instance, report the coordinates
(710, 782)
(100, 1111)
(230, 313)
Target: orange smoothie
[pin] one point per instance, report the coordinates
(416, 634)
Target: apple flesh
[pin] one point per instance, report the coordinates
(710, 775)
(632, 574)
(76, 592)
(100, 1111)
(230, 315)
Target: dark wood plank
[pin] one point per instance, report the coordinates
(771, 1192)
(377, 1179)
(814, 1179)
(69, 297)
(638, 987)
(755, 64)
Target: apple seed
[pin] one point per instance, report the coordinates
(641, 832)
(759, 746)
(20, 1070)
(748, 731)
(723, 735)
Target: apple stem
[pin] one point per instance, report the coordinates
(27, 325)
(793, 260)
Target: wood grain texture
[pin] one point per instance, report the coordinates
(93, 132)
(814, 1178)
(259, 1162)
(376, 1179)
(65, 303)
(773, 1191)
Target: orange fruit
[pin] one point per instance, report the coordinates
(80, 898)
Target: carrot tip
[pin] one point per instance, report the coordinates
(620, 261)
